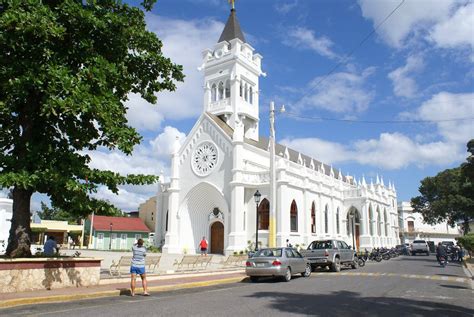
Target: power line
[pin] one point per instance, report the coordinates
(344, 60)
(376, 121)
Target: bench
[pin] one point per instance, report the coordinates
(192, 262)
(151, 262)
(234, 260)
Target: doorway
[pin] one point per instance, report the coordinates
(217, 238)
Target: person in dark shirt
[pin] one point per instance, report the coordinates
(441, 252)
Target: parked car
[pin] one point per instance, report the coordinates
(419, 246)
(330, 253)
(277, 262)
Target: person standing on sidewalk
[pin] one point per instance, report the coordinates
(203, 246)
(138, 267)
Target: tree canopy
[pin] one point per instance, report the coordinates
(449, 195)
(66, 69)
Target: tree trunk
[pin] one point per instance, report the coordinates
(20, 232)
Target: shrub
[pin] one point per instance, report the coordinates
(467, 242)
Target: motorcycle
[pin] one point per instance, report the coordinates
(443, 260)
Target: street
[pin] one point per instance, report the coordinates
(404, 286)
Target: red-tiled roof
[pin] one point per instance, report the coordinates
(102, 223)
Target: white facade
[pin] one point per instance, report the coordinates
(6, 214)
(412, 227)
(224, 160)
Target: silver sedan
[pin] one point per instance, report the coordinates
(277, 262)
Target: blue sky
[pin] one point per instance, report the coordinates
(418, 65)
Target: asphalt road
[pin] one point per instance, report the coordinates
(404, 286)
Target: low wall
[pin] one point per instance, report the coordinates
(18, 275)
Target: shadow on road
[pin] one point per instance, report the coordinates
(454, 286)
(344, 303)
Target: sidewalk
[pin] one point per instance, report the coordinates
(121, 287)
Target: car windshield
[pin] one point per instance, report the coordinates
(419, 241)
(268, 252)
(316, 245)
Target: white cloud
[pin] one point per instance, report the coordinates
(456, 31)
(342, 92)
(300, 37)
(150, 158)
(183, 42)
(403, 85)
(412, 16)
(390, 151)
(445, 105)
(285, 6)
(143, 115)
(324, 151)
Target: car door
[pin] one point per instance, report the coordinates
(343, 251)
(291, 260)
(300, 261)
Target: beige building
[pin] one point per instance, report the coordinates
(147, 213)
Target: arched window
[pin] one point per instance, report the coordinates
(371, 220)
(251, 95)
(241, 90)
(166, 224)
(221, 91)
(379, 222)
(294, 217)
(246, 92)
(313, 218)
(214, 93)
(227, 89)
(385, 219)
(263, 214)
(326, 220)
(337, 220)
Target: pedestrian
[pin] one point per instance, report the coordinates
(203, 246)
(138, 267)
(50, 246)
(441, 252)
(288, 244)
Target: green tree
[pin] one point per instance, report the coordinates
(66, 68)
(448, 196)
(55, 213)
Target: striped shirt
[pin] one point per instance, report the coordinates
(139, 254)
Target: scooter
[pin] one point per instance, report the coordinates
(443, 260)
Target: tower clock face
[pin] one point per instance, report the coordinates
(204, 159)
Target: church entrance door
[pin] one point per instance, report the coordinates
(217, 238)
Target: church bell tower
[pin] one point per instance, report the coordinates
(231, 73)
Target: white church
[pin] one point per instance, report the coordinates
(223, 162)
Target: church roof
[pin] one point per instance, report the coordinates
(232, 29)
(263, 143)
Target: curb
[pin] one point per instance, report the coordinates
(67, 298)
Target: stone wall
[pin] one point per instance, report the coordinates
(18, 275)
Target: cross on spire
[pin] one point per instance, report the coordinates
(232, 3)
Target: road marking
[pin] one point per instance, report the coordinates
(408, 276)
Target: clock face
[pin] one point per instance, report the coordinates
(204, 159)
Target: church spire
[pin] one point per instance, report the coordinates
(232, 28)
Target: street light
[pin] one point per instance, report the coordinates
(110, 236)
(256, 196)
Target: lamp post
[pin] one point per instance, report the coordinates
(110, 236)
(256, 196)
(352, 220)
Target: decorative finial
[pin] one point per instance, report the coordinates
(232, 3)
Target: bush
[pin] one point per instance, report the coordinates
(467, 242)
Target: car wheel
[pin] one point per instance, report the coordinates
(254, 279)
(307, 271)
(355, 264)
(287, 276)
(336, 265)
(361, 263)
